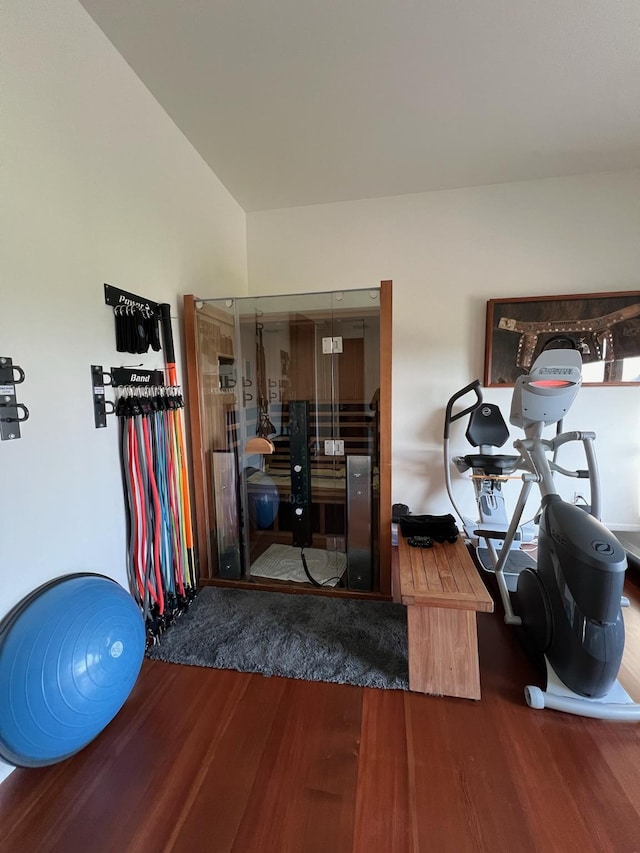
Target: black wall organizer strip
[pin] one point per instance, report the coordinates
(12, 413)
(114, 296)
(132, 376)
(99, 403)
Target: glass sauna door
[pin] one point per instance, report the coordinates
(289, 388)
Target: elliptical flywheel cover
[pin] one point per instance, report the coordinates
(70, 654)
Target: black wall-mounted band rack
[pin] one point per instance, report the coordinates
(114, 296)
(137, 320)
(118, 377)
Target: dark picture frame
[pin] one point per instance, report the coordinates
(605, 327)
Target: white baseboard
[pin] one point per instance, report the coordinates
(5, 770)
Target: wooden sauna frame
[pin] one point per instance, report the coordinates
(198, 463)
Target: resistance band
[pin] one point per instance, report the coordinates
(181, 461)
(151, 460)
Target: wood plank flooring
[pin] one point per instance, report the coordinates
(208, 760)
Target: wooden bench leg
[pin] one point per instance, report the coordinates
(443, 651)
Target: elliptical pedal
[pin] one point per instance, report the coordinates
(516, 561)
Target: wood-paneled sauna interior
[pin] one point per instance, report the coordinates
(289, 410)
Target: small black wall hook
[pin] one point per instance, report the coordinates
(21, 377)
(10, 419)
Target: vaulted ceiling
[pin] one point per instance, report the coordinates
(295, 102)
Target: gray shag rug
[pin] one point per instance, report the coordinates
(317, 638)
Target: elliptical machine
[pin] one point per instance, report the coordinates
(567, 605)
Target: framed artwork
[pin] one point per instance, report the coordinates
(604, 327)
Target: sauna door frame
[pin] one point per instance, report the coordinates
(198, 456)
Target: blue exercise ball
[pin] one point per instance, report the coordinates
(264, 498)
(70, 653)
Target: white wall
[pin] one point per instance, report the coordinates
(447, 254)
(99, 186)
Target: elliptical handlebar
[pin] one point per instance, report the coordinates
(449, 418)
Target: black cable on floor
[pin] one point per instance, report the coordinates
(312, 579)
(306, 569)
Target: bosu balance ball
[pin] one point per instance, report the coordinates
(70, 653)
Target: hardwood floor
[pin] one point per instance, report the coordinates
(208, 760)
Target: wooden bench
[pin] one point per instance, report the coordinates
(443, 592)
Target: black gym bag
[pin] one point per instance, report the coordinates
(441, 528)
